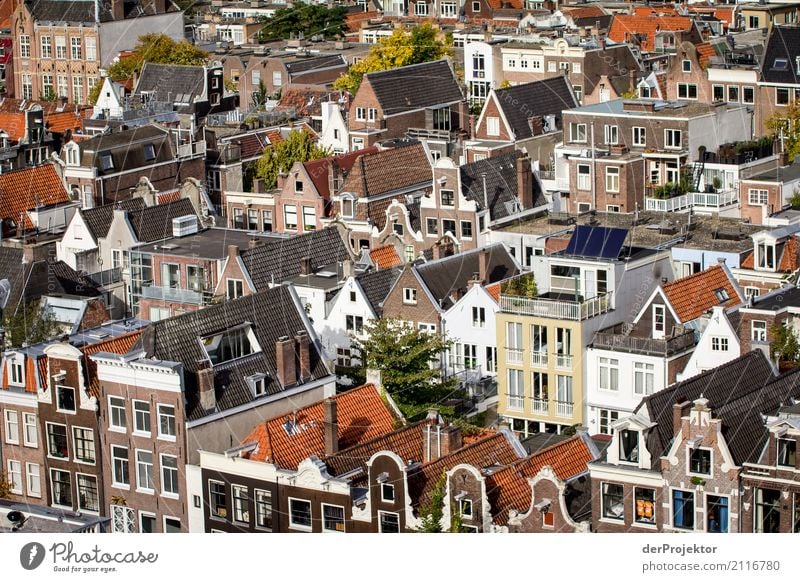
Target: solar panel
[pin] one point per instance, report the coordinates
(596, 241)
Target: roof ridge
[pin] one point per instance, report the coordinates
(394, 70)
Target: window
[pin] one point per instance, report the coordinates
(34, 479)
(768, 511)
(584, 177)
(757, 196)
(787, 453)
(748, 95)
(465, 507)
(77, 89)
(106, 160)
(172, 525)
(141, 416)
(686, 66)
(15, 476)
(607, 418)
(409, 296)
(564, 404)
(88, 498)
(290, 216)
(609, 374)
(629, 446)
(718, 93)
(120, 466)
(17, 370)
(360, 114)
(266, 220)
(12, 427)
(478, 66)
(354, 324)
(91, 48)
(758, 331)
(781, 96)
(299, 513)
(643, 378)
(149, 152)
(659, 321)
(147, 523)
(241, 504)
(57, 441)
(389, 522)
(753, 21)
(478, 317)
(613, 504)
(683, 509)
(733, 93)
(47, 47)
(476, 6)
(673, 139)
(719, 344)
(169, 474)
(30, 433)
(612, 179)
(717, 510)
(644, 503)
(639, 136)
(333, 515)
(24, 46)
(84, 444)
(277, 79)
(432, 226)
(466, 229)
(751, 292)
(65, 399)
(116, 412)
(119, 259)
(611, 134)
(235, 288)
(577, 132)
(61, 488)
(578, 90)
(144, 470)
(398, 229)
(75, 48)
(493, 126)
(61, 47)
(217, 499)
(196, 278)
(348, 208)
(263, 508)
(796, 517)
(449, 226)
(387, 492)
(700, 461)
(687, 91)
(447, 197)
(309, 218)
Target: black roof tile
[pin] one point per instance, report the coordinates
(415, 87)
(377, 284)
(155, 222)
(98, 220)
(546, 97)
(783, 48)
(172, 83)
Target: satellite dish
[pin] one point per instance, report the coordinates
(5, 292)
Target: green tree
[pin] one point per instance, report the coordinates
(156, 48)
(299, 146)
(5, 486)
(260, 96)
(408, 359)
(432, 513)
(310, 19)
(794, 200)
(785, 346)
(30, 325)
(402, 48)
(231, 86)
(786, 125)
(522, 286)
(94, 94)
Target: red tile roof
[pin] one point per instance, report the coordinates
(624, 26)
(788, 262)
(692, 296)
(385, 257)
(319, 170)
(361, 416)
(13, 124)
(505, 4)
(23, 190)
(704, 52)
(494, 291)
(169, 196)
(583, 11)
(121, 344)
(61, 122)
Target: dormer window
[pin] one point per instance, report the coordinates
(787, 453)
(700, 461)
(231, 344)
(17, 375)
(149, 152)
(629, 446)
(72, 156)
(765, 255)
(721, 294)
(106, 161)
(258, 384)
(659, 321)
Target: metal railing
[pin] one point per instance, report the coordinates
(540, 405)
(667, 204)
(539, 359)
(556, 308)
(615, 339)
(514, 355)
(564, 409)
(106, 277)
(564, 361)
(195, 148)
(715, 199)
(515, 402)
(177, 295)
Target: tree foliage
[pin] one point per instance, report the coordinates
(432, 513)
(785, 345)
(156, 48)
(402, 48)
(786, 125)
(408, 359)
(522, 286)
(94, 94)
(30, 325)
(5, 486)
(299, 146)
(310, 19)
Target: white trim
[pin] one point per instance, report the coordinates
(295, 526)
(344, 518)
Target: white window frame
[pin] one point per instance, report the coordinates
(300, 526)
(27, 423)
(662, 309)
(577, 132)
(139, 487)
(75, 445)
(758, 333)
(8, 415)
(15, 485)
(30, 478)
(136, 429)
(114, 481)
(163, 435)
(78, 492)
(111, 408)
(639, 136)
(237, 283)
(643, 370)
(380, 521)
(175, 479)
(409, 295)
(584, 180)
(611, 134)
(608, 381)
(719, 343)
(74, 399)
(757, 196)
(710, 474)
(344, 518)
(669, 142)
(612, 179)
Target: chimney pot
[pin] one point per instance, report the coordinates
(305, 266)
(303, 354)
(679, 409)
(233, 251)
(483, 265)
(205, 386)
(331, 427)
(284, 361)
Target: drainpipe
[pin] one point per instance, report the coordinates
(594, 174)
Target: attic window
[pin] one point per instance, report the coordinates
(722, 294)
(231, 344)
(149, 152)
(780, 65)
(258, 384)
(106, 161)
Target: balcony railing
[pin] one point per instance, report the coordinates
(433, 134)
(714, 200)
(539, 359)
(667, 204)
(556, 308)
(107, 277)
(187, 150)
(564, 409)
(516, 402)
(540, 405)
(614, 338)
(564, 361)
(177, 295)
(514, 356)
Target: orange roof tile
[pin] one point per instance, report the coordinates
(23, 190)
(13, 124)
(749, 261)
(624, 26)
(704, 52)
(385, 257)
(361, 416)
(583, 11)
(692, 296)
(42, 365)
(169, 196)
(121, 344)
(61, 122)
(512, 4)
(494, 291)
(788, 263)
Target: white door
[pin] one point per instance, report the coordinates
(589, 284)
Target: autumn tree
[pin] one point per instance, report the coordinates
(419, 45)
(786, 125)
(30, 325)
(156, 48)
(309, 19)
(299, 146)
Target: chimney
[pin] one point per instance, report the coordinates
(483, 265)
(536, 124)
(305, 266)
(679, 409)
(281, 180)
(205, 386)
(347, 268)
(524, 182)
(331, 427)
(284, 361)
(451, 439)
(433, 443)
(253, 243)
(233, 252)
(632, 85)
(303, 354)
(437, 251)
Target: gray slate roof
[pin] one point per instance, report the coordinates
(98, 219)
(68, 11)
(171, 81)
(304, 65)
(546, 97)
(377, 284)
(783, 43)
(272, 314)
(127, 149)
(155, 222)
(415, 87)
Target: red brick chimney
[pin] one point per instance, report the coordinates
(303, 355)
(679, 410)
(437, 251)
(284, 361)
(451, 439)
(331, 427)
(233, 252)
(305, 266)
(483, 265)
(205, 386)
(524, 182)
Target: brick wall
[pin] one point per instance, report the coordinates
(422, 311)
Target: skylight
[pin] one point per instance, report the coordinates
(231, 344)
(780, 64)
(722, 294)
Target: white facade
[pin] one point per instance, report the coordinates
(719, 344)
(110, 101)
(481, 70)
(349, 308)
(334, 128)
(77, 239)
(470, 325)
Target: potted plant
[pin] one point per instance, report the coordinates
(717, 183)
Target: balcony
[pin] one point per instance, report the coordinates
(188, 150)
(658, 200)
(430, 134)
(177, 295)
(564, 409)
(514, 356)
(540, 405)
(563, 362)
(539, 359)
(556, 308)
(615, 338)
(515, 402)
